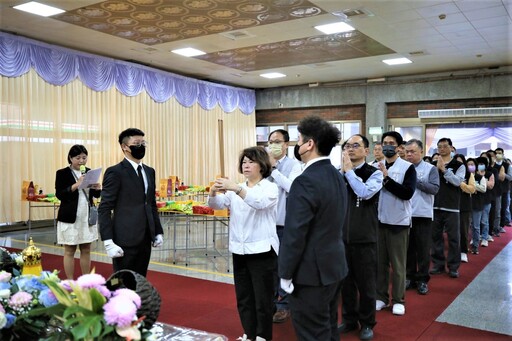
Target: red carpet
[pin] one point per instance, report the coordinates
(211, 306)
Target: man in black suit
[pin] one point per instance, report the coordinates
(312, 261)
(128, 217)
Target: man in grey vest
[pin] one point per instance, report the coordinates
(395, 212)
(420, 238)
(285, 170)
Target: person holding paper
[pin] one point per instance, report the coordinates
(73, 227)
(128, 216)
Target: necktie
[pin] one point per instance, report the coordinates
(141, 178)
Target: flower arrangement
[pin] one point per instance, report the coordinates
(44, 307)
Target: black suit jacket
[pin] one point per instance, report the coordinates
(125, 211)
(64, 179)
(312, 250)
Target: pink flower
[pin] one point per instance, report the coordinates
(20, 299)
(91, 281)
(119, 311)
(129, 294)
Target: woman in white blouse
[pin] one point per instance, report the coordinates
(253, 239)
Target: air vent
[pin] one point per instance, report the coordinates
(417, 53)
(353, 12)
(237, 35)
(468, 112)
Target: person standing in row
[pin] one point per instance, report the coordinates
(284, 171)
(420, 237)
(446, 211)
(468, 189)
(253, 239)
(312, 261)
(377, 153)
(505, 189)
(128, 217)
(395, 212)
(478, 201)
(73, 227)
(358, 294)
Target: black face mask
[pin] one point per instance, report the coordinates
(138, 151)
(389, 151)
(296, 152)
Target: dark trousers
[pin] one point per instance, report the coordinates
(465, 219)
(136, 258)
(505, 209)
(254, 288)
(359, 291)
(418, 251)
(449, 221)
(280, 296)
(315, 312)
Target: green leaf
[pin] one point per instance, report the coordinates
(97, 300)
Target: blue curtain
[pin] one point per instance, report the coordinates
(59, 66)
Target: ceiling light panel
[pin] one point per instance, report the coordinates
(39, 9)
(337, 27)
(397, 61)
(188, 52)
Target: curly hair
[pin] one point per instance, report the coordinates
(325, 135)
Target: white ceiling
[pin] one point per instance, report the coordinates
(475, 35)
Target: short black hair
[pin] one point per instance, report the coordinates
(482, 160)
(394, 134)
(283, 132)
(126, 134)
(76, 150)
(325, 135)
(445, 139)
(499, 150)
(257, 154)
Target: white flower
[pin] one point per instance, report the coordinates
(3, 320)
(5, 293)
(5, 276)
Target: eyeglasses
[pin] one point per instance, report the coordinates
(139, 143)
(275, 142)
(351, 146)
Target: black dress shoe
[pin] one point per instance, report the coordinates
(453, 274)
(409, 284)
(422, 288)
(436, 271)
(366, 333)
(347, 327)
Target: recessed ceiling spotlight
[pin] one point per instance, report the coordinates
(188, 52)
(39, 9)
(336, 27)
(397, 61)
(272, 75)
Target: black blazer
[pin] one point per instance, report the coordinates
(64, 179)
(312, 250)
(125, 210)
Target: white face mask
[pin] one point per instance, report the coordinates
(276, 149)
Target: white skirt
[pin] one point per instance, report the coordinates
(79, 232)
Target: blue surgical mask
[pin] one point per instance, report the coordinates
(452, 154)
(481, 167)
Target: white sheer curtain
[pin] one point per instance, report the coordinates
(40, 122)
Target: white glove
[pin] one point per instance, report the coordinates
(113, 251)
(287, 285)
(159, 240)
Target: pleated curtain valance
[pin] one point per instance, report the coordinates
(59, 66)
